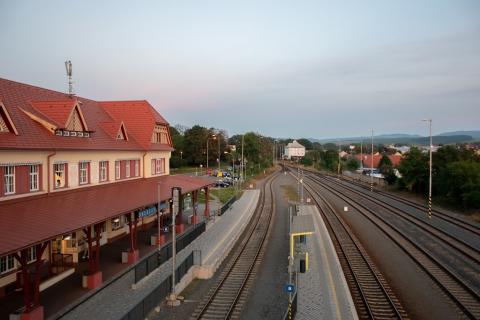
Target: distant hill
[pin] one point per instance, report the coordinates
(475, 134)
(402, 139)
(398, 135)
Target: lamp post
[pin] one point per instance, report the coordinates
(181, 154)
(158, 219)
(218, 153)
(371, 167)
(176, 193)
(430, 170)
(208, 139)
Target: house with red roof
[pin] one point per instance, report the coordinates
(366, 159)
(75, 174)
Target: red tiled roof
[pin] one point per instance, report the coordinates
(43, 217)
(55, 111)
(139, 118)
(32, 135)
(367, 159)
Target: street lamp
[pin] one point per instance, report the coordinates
(430, 170)
(371, 167)
(181, 154)
(208, 139)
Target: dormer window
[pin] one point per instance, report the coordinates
(122, 132)
(6, 123)
(160, 134)
(75, 123)
(3, 125)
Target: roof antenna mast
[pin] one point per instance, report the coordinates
(68, 68)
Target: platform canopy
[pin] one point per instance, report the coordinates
(28, 221)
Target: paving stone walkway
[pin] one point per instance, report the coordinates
(323, 291)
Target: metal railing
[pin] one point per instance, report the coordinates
(227, 205)
(144, 307)
(149, 263)
(144, 267)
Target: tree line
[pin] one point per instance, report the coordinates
(191, 146)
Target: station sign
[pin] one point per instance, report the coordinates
(147, 212)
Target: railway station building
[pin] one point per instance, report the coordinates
(76, 174)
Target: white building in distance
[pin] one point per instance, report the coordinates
(294, 150)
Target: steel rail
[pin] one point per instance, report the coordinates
(459, 292)
(244, 259)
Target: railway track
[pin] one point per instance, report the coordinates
(371, 293)
(437, 213)
(225, 299)
(461, 293)
(461, 245)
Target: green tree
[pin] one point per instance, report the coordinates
(306, 143)
(414, 171)
(195, 144)
(463, 180)
(352, 164)
(176, 160)
(386, 169)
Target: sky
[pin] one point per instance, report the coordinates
(316, 69)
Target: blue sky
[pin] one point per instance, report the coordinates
(283, 68)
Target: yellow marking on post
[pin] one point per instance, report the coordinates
(306, 261)
(293, 235)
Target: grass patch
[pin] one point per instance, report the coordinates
(290, 192)
(185, 170)
(223, 194)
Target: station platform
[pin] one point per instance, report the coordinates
(117, 299)
(322, 291)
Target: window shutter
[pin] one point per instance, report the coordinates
(40, 178)
(66, 175)
(153, 167)
(122, 169)
(132, 168)
(22, 175)
(108, 170)
(2, 181)
(88, 172)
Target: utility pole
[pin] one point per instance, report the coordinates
(430, 170)
(176, 194)
(361, 153)
(206, 172)
(218, 152)
(371, 167)
(242, 165)
(158, 220)
(338, 167)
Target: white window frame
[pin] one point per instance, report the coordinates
(137, 168)
(59, 167)
(31, 254)
(158, 166)
(34, 177)
(117, 170)
(9, 179)
(103, 171)
(127, 168)
(83, 172)
(116, 225)
(7, 264)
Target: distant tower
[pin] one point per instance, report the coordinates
(68, 67)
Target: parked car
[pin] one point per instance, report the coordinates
(220, 184)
